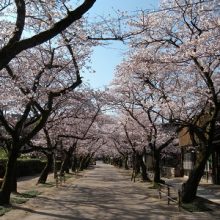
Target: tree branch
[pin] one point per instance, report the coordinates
(8, 52)
(20, 22)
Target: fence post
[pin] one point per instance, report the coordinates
(179, 199)
(168, 195)
(159, 191)
(57, 180)
(62, 178)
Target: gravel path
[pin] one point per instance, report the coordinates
(102, 193)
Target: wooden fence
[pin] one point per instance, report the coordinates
(171, 193)
(60, 178)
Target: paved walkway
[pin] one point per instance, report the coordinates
(102, 193)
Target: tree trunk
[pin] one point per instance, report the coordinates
(74, 163)
(120, 162)
(85, 162)
(14, 181)
(135, 166)
(157, 178)
(126, 163)
(143, 169)
(9, 178)
(191, 185)
(65, 164)
(48, 167)
(216, 167)
(54, 166)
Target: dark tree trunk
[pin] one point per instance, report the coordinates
(156, 167)
(87, 161)
(54, 166)
(84, 163)
(14, 181)
(143, 169)
(126, 163)
(157, 178)
(191, 185)
(9, 179)
(216, 167)
(65, 164)
(74, 163)
(48, 167)
(120, 162)
(136, 166)
(78, 163)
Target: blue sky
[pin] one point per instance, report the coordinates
(105, 59)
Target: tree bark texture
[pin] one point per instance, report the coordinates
(9, 179)
(190, 187)
(157, 176)
(48, 167)
(65, 164)
(143, 168)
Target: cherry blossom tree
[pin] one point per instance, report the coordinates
(35, 79)
(176, 57)
(81, 124)
(138, 105)
(118, 149)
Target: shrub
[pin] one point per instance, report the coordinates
(26, 167)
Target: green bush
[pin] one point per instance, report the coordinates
(26, 167)
(3, 210)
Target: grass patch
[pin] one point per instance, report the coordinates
(198, 205)
(30, 194)
(18, 200)
(68, 176)
(21, 198)
(47, 185)
(4, 209)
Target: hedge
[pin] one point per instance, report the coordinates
(25, 167)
